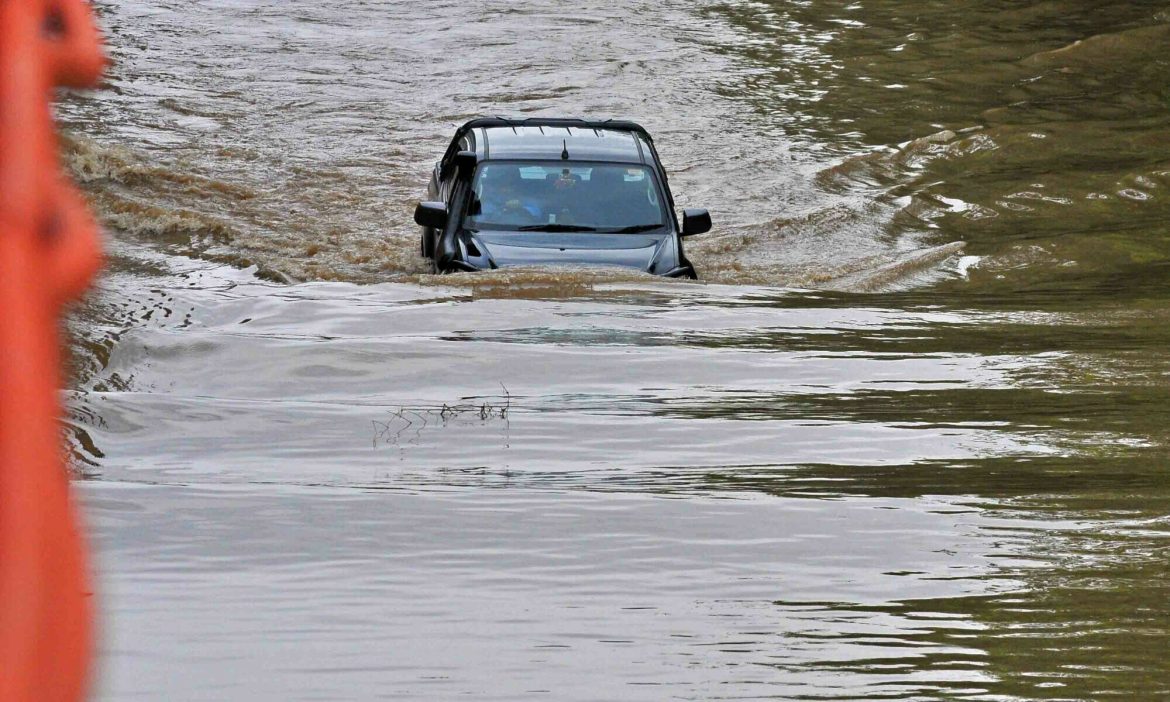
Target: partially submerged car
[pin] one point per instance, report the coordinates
(528, 192)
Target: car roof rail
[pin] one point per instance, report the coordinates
(619, 125)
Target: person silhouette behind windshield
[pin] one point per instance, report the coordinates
(510, 200)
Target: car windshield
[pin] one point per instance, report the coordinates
(549, 196)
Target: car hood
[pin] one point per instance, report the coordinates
(507, 248)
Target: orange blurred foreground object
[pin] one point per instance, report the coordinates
(48, 253)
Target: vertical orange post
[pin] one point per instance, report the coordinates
(48, 253)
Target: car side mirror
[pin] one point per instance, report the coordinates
(431, 214)
(696, 222)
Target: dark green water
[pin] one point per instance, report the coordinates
(907, 439)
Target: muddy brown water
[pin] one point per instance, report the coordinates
(905, 440)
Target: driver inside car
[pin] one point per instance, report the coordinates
(508, 199)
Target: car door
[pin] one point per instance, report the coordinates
(440, 189)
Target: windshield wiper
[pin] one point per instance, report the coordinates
(556, 228)
(634, 229)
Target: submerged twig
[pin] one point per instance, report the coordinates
(404, 419)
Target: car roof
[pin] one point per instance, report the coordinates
(550, 139)
(546, 142)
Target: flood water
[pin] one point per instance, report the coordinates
(905, 439)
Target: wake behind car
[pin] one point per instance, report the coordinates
(541, 191)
